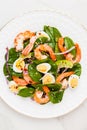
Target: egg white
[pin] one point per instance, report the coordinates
(71, 77)
(43, 67)
(48, 79)
(15, 68)
(42, 34)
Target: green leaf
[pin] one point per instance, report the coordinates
(26, 43)
(5, 70)
(40, 61)
(20, 75)
(52, 87)
(38, 86)
(56, 97)
(13, 55)
(68, 44)
(77, 69)
(34, 74)
(49, 31)
(26, 92)
(54, 35)
(53, 67)
(41, 40)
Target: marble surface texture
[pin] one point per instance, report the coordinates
(11, 120)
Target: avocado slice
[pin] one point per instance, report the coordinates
(64, 64)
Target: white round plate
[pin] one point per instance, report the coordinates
(35, 21)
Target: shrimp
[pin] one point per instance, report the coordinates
(46, 48)
(63, 75)
(40, 97)
(27, 78)
(29, 47)
(18, 41)
(78, 55)
(60, 44)
(69, 56)
(25, 81)
(19, 81)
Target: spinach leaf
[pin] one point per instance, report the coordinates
(49, 31)
(34, 74)
(40, 61)
(13, 55)
(53, 67)
(77, 69)
(56, 97)
(41, 40)
(5, 70)
(38, 86)
(69, 43)
(26, 92)
(52, 87)
(54, 35)
(20, 75)
(26, 43)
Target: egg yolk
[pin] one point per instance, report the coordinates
(47, 79)
(74, 82)
(42, 68)
(20, 64)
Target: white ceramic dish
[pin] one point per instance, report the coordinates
(35, 21)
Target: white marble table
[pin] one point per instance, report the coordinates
(11, 120)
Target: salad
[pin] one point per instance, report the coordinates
(42, 65)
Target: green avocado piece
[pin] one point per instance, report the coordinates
(64, 64)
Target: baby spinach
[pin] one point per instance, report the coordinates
(41, 40)
(56, 96)
(53, 33)
(26, 43)
(40, 61)
(53, 67)
(26, 92)
(34, 74)
(68, 44)
(52, 87)
(13, 55)
(77, 69)
(38, 86)
(5, 70)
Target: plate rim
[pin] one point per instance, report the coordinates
(73, 20)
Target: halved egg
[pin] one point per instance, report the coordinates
(18, 65)
(43, 67)
(48, 79)
(42, 34)
(73, 81)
